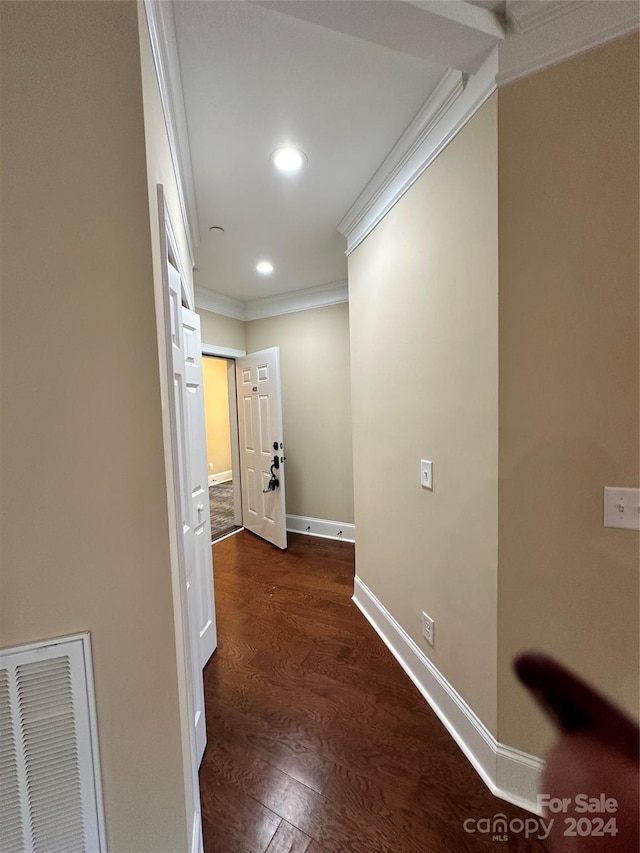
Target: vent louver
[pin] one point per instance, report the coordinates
(49, 776)
(11, 832)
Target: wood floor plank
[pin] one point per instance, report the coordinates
(317, 740)
(282, 752)
(288, 839)
(231, 826)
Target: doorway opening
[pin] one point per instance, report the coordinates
(223, 469)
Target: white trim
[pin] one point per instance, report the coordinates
(162, 34)
(319, 296)
(531, 15)
(508, 773)
(518, 776)
(299, 300)
(588, 26)
(227, 535)
(235, 441)
(222, 352)
(322, 528)
(446, 92)
(454, 101)
(93, 732)
(228, 306)
(220, 477)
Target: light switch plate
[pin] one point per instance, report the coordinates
(426, 474)
(622, 508)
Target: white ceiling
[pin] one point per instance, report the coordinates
(254, 78)
(343, 80)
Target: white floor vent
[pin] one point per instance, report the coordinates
(50, 792)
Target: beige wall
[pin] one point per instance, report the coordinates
(222, 331)
(216, 408)
(85, 541)
(316, 409)
(568, 154)
(314, 348)
(423, 291)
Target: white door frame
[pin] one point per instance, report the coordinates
(168, 246)
(230, 355)
(222, 352)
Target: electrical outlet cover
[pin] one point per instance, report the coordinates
(428, 628)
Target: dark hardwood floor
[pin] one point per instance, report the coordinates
(317, 740)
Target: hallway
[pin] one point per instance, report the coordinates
(316, 738)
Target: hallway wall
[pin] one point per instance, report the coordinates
(86, 548)
(222, 331)
(423, 290)
(316, 407)
(569, 358)
(542, 572)
(316, 404)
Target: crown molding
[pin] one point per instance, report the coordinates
(299, 300)
(320, 296)
(388, 179)
(549, 33)
(529, 15)
(453, 102)
(162, 33)
(228, 306)
(558, 37)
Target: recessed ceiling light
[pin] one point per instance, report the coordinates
(288, 159)
(264, 268)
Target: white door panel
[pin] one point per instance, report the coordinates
(187, 549)
(260, 428)
(199, 722)
(198, 487)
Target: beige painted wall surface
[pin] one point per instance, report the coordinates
(216, 407)
(568, 154)
(314, 348)
(86, 546)
(423, 291)
(222, 331)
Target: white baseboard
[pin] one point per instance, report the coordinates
(508, 773)
(226, 535)
(321, 527)
(220, 477)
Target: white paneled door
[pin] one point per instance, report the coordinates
(198, 486)
(262, 445)
(199, 635)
